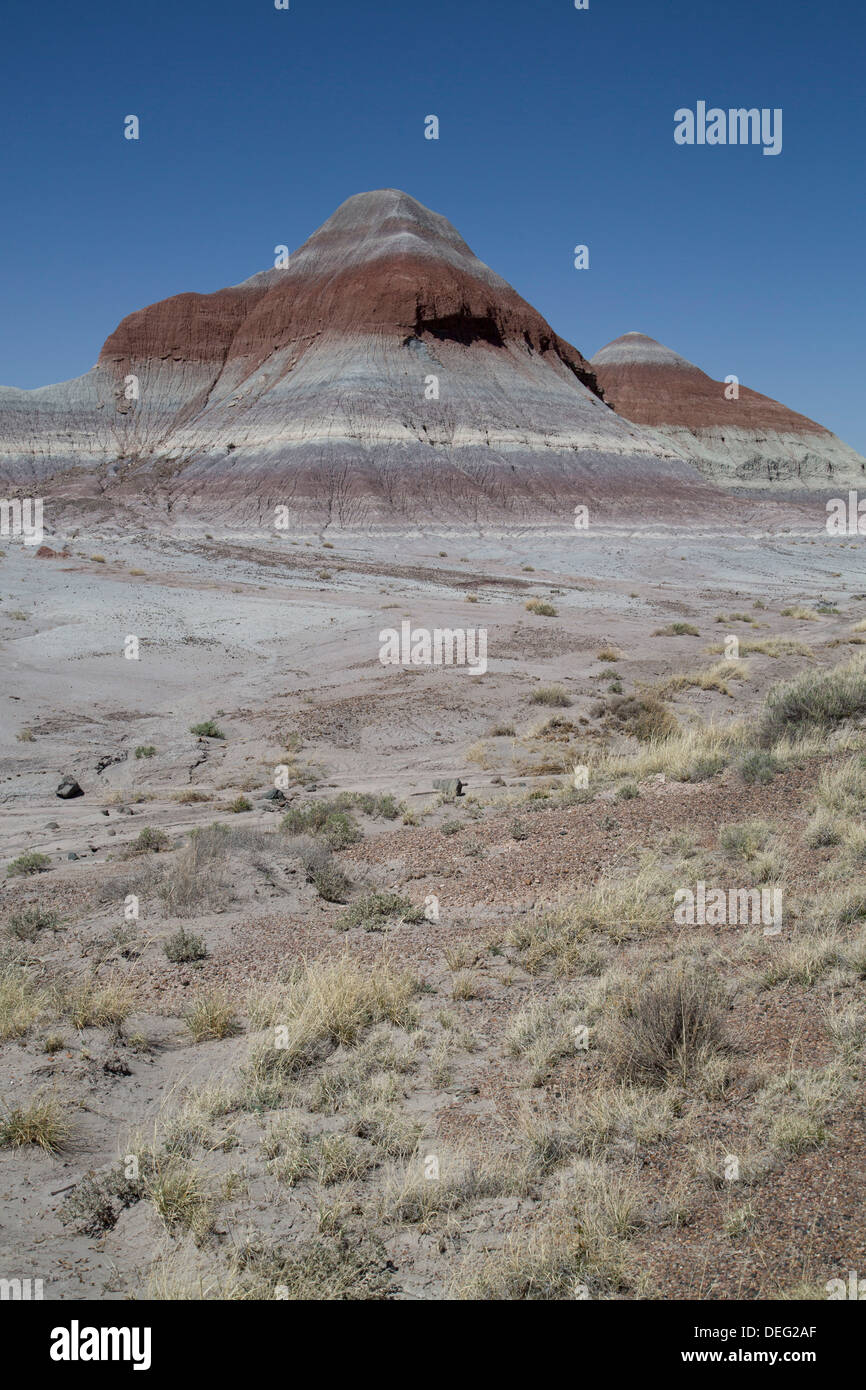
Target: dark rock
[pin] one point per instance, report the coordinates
(452, 785)
(68, 788)
(108, 758)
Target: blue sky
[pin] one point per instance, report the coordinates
(556, 129)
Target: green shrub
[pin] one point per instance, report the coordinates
(207, 729)
(677, 630)
(815, 700)
(323, 818)
(149, 841)
(760, 767)
(145, 750)
(376, 909)
(25, 925)
(184, 946)
(30, 863)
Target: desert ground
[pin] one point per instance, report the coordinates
(365, 1038)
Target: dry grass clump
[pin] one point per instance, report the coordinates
(180, 1196)
(843, 788)
(764, 646)
(642, 716)
(340, 1266)
(794, 1108)
(684, 755)
(89, 1004)
(41, 1122)
(212, 1016)
(717, 677)
(815, 700)
(436, 1183)
(806, 615)
(622, 1114)
(542, 1033)
(574, 1251)
(665, 1026)
(622, 907)
(824, 829)
(554, 695)
(540, 608)
(328, 1158)
(325, 1003)
(801, 961)
(677, 630)
(22, 1002)
(745, 839)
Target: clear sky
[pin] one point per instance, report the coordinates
(556, 129)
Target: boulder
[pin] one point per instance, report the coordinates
(68, 788)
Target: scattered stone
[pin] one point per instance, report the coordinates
(52, 825)
(116, 1066)
(68, 788)
(71, 855)
(452, 786)
(108, 758)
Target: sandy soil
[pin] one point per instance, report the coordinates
(278, 642)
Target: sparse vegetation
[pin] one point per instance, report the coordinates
(31, 862)
(208, 728)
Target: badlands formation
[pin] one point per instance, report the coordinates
(384, 374)
(745, 440)
(270, 837)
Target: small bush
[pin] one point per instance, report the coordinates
(145, 750)
(25, 924)
(760, 766)
(677, 630)
(207, 729)
(642, 716)
(149, 841)
(540, 608)
(240, 803)
(331, 823)
(554, 695)
(182, 947)
(744, 839)
(30, 863)
(375, 910)
(665, 1026)
(823, 830)
(328, 879)
(815, 700)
